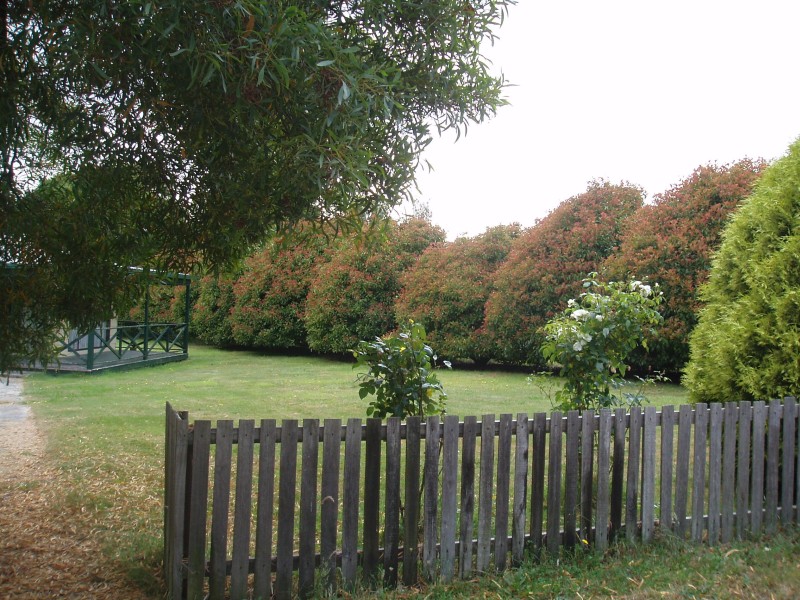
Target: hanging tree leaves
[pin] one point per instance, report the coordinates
(162, 134)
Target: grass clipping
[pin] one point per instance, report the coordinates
(48, 549)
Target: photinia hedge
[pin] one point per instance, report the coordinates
(351, 298)
(671, 241)
(447, 290)
(270, 295)
(548, 262)
(210, 319)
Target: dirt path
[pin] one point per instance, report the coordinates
(47, 549)
(21, 444)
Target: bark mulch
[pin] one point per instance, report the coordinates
(48, 547)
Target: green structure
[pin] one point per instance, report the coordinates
(119, 343)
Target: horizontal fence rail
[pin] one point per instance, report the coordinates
(262, 510)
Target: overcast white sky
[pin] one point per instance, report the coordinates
(641, 91)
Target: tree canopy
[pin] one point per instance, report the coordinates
(162, 134)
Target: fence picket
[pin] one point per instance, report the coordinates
(773, 465)
(632, 479)
(410, 546)
(682, 470)
(537, 479)
(242, 508)
(699, 471)
(571, 470)
(372, 494)
(350, 501)
(284, 550)
(262, 577)
(198, 510)
(219, 509)
(728, 472)
(308, 508)
(502, 491)
(648, 473)
(743, 470)
(447, 552)
(603, 464)
(520, 491)
(617, 472)
(554, 486)
(431, 501)
(329, 509)
(392, 511)
(587, 477)
(667, 446)
(467, 497)
(757, 485)
(714, 472)
(787, 461)
(796, 514)
(485, 501)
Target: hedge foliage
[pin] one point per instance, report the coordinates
(269, 298)
(447, 290)
(352, 296)
(484, 297)
(671, 242)
(746, 345)
(548, 262)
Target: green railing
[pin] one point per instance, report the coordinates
(127, 342)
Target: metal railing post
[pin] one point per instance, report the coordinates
(90, 351)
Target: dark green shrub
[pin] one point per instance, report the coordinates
(210, 319)
(747, 341)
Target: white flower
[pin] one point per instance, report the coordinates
(645, 290)
(599, 317)
(577, 346)
(579, 314)
(571, 302)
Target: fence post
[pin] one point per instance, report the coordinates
(485, 494)
(372, 493)
(176, 496)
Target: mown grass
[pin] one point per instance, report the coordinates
(667, 568)
(105, 433)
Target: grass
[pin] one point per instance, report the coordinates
(667, 568)
(105, 433)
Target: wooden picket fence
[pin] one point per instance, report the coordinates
(389, 497)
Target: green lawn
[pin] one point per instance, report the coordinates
(105, 432)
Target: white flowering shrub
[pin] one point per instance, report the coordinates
(592, 339)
